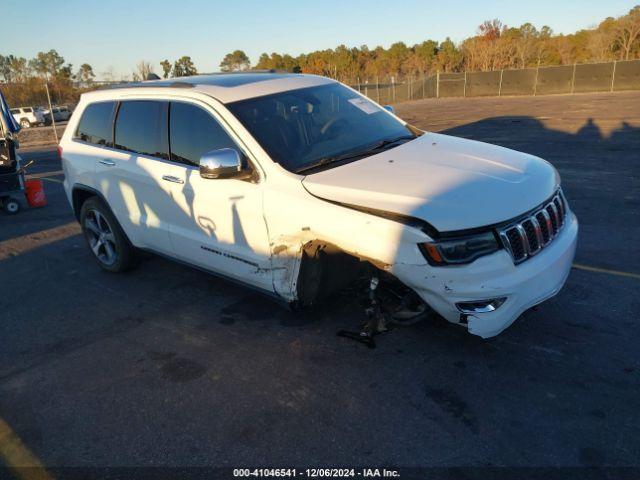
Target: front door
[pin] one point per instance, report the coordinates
(220, 225)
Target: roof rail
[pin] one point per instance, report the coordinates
(151, 84)
(241, 72)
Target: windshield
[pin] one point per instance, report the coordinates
(303, 129)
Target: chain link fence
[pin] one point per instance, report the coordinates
(593, 77)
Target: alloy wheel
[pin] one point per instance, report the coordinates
(101, 238)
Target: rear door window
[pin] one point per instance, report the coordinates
(141, 127)
(95, 126)
(193, 132)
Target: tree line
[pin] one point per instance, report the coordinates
(495, 46)
(26, 78)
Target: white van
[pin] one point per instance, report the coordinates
(296, 185)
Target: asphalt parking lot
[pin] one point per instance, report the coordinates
(167, 366)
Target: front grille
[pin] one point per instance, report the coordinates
(529, 235)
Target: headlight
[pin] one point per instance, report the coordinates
(459, 250)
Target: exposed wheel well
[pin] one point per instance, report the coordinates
(326, 268)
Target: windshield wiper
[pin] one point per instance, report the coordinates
(384, 144)
(381, 145)
(332, 159)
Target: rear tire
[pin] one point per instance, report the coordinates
(24, 123)
(107, 241)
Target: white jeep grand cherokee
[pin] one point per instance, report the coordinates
(291, 183)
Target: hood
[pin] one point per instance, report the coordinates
(449, 182)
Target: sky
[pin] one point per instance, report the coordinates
(117, 34)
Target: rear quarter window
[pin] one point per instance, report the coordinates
(95, 125)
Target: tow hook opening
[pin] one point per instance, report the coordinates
(481, 306)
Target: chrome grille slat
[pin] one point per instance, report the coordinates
(524, 239)
(559, 205)
(529, 235)
(538, 230)
(556, 215)
(547, 219)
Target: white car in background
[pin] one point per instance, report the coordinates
(298, 186)
(28, 116)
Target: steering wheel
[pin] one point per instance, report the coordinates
(332, 122)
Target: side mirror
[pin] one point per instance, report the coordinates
(389, 108)
(222, 164)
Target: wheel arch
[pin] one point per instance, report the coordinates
(326, 268)
(80, 194)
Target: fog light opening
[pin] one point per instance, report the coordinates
(481, 306)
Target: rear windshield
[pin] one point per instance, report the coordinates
(95, 125)
(299, 128)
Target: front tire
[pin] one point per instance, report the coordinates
(107, 241)
(24, 123)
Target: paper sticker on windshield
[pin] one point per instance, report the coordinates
(365, 105)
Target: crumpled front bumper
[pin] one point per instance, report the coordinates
(495, 276)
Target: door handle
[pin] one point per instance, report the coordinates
(170, 178)
(107, 162)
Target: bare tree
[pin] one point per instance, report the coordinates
(109, 74)
(599, 46)
(143, 69)
(627, 31)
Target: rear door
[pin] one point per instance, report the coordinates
(130, 173)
